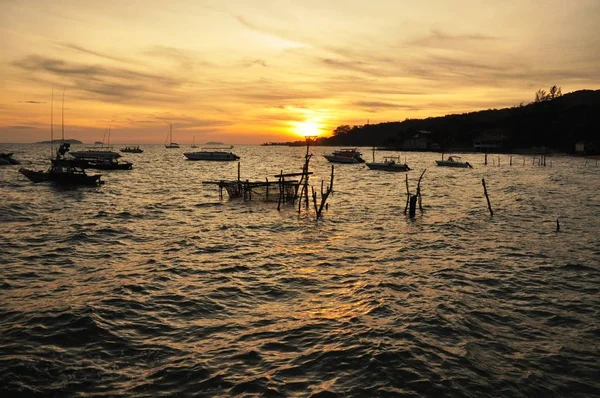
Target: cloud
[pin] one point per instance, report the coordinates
(82, 49)
(31, 102)
(22, 127)
(376, 105)
(185, 59)
(108, 83)
(439, 39)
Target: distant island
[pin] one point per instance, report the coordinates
(69, 141)
(214, 143)
(552, 122)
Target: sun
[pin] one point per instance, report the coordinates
(308, 128)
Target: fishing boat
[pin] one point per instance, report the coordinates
(453, 161)
(390, 163)
(7, 159)
(348, 155)
(132, 149)
(212, 154)
(63, 171)
(171, 144)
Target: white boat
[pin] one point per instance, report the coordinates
(453, 161)
(213, 154)
(348, 155)
(390, 163)
(171, 144)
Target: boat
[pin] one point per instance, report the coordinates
(171, 144)
(348, 155)
(390, 163)
(132, 149)
(7, 159)
(194, 143)
(106, 164)
(98, 152)
(63, 171)
(95, 153)
(453, 161)
(212, 154)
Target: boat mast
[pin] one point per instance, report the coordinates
(52, 124)
(63, 116)
(170, 134)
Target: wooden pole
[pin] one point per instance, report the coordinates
(419, 191)
(487, 197)
(280, 190)
(412, 210)
(407, 195)
(485, 160)
(557, 226)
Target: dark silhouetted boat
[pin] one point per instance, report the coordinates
(350, 155)
(63, 171)
(390, 163)
(171, 144)
(453, 161)
(212, 154)
(106, 164)
(133, 149)
(7, 159)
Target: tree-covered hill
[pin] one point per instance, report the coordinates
(556, 123)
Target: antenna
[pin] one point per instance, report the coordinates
(63, 116)
(52, 123)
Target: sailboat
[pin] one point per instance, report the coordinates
(194, 143)
(171, 144)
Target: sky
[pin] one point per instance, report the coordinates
(255, 71)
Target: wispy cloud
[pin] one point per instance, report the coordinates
(85, 50)
(31, 102)
(108, 83)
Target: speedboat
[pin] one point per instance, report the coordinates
(350, 155)
(390, 163)
(453, 161)
(214, 154)
(107, 164)
(92, 153)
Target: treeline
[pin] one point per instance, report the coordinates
(552, 120)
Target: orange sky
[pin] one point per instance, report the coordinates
(248, 72)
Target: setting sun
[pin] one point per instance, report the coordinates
(308, 128)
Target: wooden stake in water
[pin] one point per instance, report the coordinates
(487, 197)
(557, 226)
